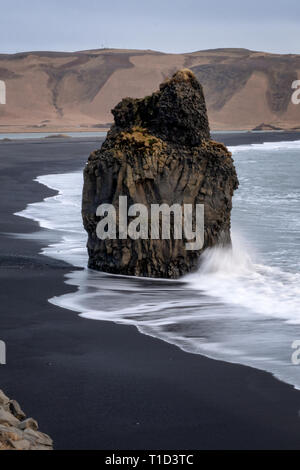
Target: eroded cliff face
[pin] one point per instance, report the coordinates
(159, 151)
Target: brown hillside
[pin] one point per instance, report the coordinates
(76, 91)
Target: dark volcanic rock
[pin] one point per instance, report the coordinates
(159, 151)
(176, 113)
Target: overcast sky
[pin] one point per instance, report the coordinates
(165, 25)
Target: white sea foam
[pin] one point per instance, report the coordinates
(229, 274)
(243, 304)
(267, 146)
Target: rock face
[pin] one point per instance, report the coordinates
(159, 151)
(17, 432)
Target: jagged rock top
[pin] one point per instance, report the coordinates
(176, 112)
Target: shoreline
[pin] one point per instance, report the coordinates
(228, 138)
(131, 390)
(14, 129)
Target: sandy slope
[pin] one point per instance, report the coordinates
(76, 91)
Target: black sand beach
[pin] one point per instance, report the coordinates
(96, 385)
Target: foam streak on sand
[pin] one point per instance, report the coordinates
(243, 305)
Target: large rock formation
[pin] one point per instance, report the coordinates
(17, 432)
(159, 151)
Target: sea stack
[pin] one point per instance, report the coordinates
(159, 151)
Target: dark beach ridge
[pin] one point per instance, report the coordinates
(97, 385)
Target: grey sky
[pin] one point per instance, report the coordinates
(165, 25)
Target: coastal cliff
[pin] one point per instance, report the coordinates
(159, 151)
(17, 432)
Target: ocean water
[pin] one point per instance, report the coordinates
(243, 304)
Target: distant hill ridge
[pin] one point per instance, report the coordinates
(76, 90)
